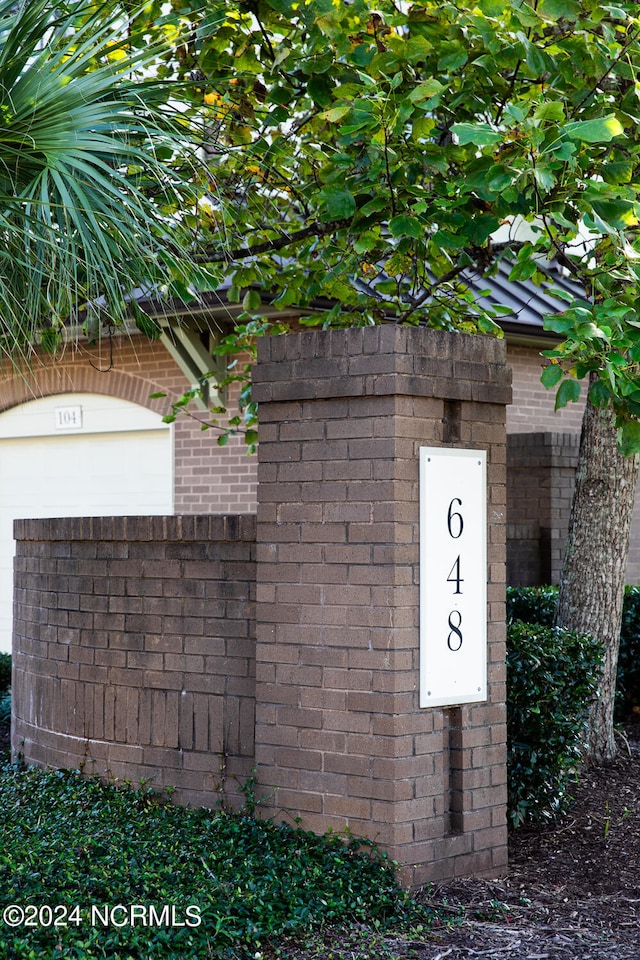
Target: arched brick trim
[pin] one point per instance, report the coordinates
(74, 372)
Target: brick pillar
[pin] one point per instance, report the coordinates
(541, 477)
(341, 741)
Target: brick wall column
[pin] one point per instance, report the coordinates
(340, 738)
(541, 477)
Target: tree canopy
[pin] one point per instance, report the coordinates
(360, 157)
(366, 156)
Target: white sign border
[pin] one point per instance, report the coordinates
(479, 694)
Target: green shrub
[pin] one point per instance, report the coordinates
(5, 706)
(551, 678)
(5, 672)
(537, 605)
(532, 604)
(628, 679)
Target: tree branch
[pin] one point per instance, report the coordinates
(315, 229)
(594, 88)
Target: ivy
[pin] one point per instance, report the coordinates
(74, 842)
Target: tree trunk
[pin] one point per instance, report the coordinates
(593, 573)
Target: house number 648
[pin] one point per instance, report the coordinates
(453, 576)
(455, 526)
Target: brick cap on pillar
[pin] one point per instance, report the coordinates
(381, 361)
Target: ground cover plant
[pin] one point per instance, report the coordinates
(221, 885)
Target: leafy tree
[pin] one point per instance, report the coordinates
(368, 158)
(95, 167)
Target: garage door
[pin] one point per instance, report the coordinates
(78, 455)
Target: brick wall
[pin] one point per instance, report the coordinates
(134, 650)
(540, 481)
(207, 477)
(541, 470)
(532, 408)
(340, 736)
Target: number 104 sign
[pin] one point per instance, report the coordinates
(453, 576)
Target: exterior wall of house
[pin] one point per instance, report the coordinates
(207, 477)
(531, 410)
(540, 482)
(542, 457)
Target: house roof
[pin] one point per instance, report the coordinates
(188, 330)
(528, 302)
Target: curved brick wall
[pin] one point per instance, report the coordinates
(134, 649)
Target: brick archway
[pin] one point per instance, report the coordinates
(134, 370)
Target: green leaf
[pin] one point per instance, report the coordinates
(416, 49)
(404, 226)
(338, 202)
(559, 323)
(620, 214)
(375, 206)
(426, 90)
(251, 301)
(479, 133)
(552, 375)
(551, 110)
(320, 89)
(422, 128)
(569, 10)
(594, 131)
(599, 394)
(336, 113)
(589, 331)
(619, 172)
(524, 270)
(629, 437)
(568, 392)
(367, 241)
(452, 56)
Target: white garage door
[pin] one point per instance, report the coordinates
(78, 455)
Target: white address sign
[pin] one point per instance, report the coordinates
(453, 576)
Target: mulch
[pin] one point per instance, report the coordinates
(572, 891)
(573, 887)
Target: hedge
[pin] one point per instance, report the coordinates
(551, 678)
(537, 605)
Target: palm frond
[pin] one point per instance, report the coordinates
(80, 147)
